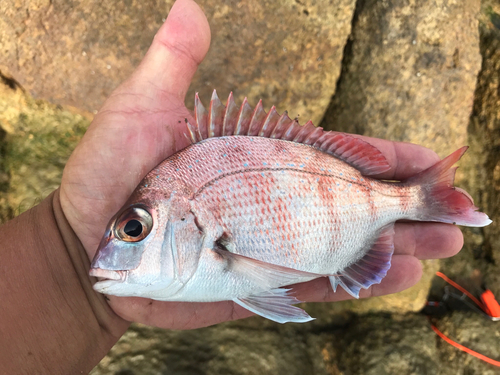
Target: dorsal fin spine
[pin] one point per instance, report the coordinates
(269, 123)
(243, 119)
(292, 130)
(200, 114)
(231, 120)
(313, 136)
(213, 123)
(323, 137)
(192, 133)
(229, 123)
(303, 131)
(257, 119)
(281, 125)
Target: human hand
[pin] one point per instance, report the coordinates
(142, 123)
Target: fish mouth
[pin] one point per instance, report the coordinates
(107, 274)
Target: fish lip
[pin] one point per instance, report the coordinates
(107, 274)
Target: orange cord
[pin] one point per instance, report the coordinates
(489, 305)
(463, 348)
(454, 284)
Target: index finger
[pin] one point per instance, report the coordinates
(405, 159)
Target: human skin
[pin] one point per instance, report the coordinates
(48, 305)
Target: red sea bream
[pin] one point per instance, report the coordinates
(258, 202)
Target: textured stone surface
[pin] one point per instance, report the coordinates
(409, 74)
(474, 332)
(385, 344)
(75, 52)
(368, 344)
(287, 53)
(212, 351)
(484, 135)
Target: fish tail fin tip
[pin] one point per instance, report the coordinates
(443, 201)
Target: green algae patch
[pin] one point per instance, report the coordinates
(36, 140)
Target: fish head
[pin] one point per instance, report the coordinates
(137, 255)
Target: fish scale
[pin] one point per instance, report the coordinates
(259, 202)
(321, 208)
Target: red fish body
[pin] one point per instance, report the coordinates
(259, 202)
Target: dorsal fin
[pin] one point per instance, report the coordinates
(231, 120)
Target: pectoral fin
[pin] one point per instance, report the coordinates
(275, 305)
(264, 275)
(270, 302)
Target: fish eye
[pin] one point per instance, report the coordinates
(133, 225)
(133, 228)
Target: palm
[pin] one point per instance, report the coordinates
(142, 123)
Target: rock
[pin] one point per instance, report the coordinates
(381, 344)
(409, 74)
(212, 351)
(287, 53)
(76, 53)
(474, 332)
(484, 135)
(368, 344)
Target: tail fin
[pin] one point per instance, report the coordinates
(443, 201)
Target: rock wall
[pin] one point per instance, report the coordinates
(75, 53)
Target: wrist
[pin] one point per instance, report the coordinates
(104, 315)
(51, 320)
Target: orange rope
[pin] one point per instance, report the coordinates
(463, 348)
(454, 284)
(488, 298)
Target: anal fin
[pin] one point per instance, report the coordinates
(276, 305)
(370, 269)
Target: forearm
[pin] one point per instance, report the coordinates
(51, 321)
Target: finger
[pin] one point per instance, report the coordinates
(427, 240)
(178, 48)
(178, 315)
(405, 159)
(405, 272)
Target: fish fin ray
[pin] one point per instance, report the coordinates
(270, 121)
(200, 117)
(263, 274)
(258, 117)
(276, 304)
(216, 117)
(243, 118)
(443, 201)
(227, 121)
(371, 268)
(230, 120)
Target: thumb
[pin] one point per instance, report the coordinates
(178, 48)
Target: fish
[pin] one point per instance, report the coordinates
(258, 202)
